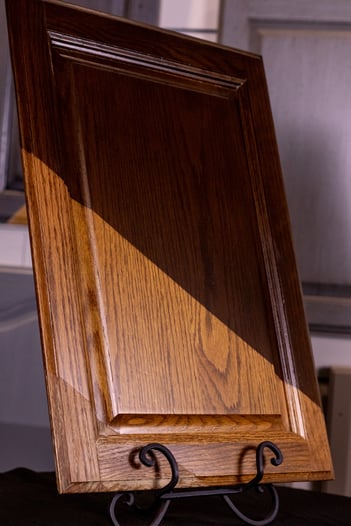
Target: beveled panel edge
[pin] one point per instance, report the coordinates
(190, 424)
(71, 47)
(284, 346)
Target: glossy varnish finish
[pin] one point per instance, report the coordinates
(170, 307)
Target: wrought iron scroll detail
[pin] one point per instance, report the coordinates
(164, 496)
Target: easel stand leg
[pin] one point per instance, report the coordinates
(164, 496)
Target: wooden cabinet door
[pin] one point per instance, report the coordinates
(170, 307)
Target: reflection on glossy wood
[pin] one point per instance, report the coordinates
(169, 302)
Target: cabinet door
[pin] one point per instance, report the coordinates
(170, 306)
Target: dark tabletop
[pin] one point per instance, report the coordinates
(28, 498)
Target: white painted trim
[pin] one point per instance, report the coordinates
(14, 247)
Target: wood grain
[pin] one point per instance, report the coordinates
(170, 306)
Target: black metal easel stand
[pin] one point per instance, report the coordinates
(164, 496)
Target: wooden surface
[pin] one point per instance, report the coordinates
(170, 307)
